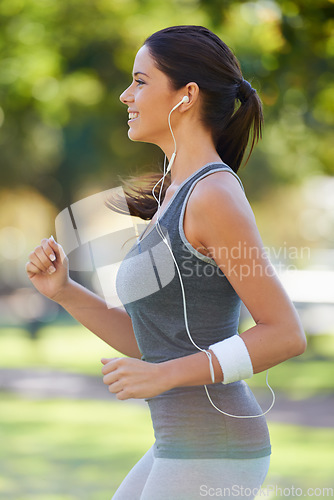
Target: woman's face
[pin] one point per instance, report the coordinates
(149, 99)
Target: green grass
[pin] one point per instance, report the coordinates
(71, 348)
(81, 450)
(301, 455)
(71, 450)
(298, 379)
(66, 450)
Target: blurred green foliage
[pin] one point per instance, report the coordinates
(63, 65)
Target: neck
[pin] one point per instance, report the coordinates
(192, 153)
(194, 146)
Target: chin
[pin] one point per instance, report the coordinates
(133, 136)
(133, 139)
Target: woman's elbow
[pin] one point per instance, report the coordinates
(297, 342)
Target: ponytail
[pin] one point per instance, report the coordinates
(246, 122)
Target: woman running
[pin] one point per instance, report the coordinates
(183, 280)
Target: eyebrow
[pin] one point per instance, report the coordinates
(140, 73)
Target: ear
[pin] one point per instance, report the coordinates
(192, 91)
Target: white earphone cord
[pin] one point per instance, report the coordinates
(164, 239)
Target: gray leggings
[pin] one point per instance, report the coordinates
(191, 479)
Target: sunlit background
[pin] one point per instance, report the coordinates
(63, 137)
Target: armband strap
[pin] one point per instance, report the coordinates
(233, 358)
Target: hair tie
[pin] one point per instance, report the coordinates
(245, 90)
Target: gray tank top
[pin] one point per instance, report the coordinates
(148, 285)
(185, 424)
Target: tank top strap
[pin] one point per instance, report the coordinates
(207, 170)
(179, 211)
(178, 201)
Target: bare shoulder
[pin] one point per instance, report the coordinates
(220, 198)
(217, 207)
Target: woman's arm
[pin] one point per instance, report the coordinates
(50, 277)
(224, 224)
(113, 326)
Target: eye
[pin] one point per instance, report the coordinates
(140, 82)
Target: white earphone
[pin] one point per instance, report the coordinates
(185, 99)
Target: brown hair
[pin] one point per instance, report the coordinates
(231, 108)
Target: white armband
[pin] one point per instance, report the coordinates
(233, 358)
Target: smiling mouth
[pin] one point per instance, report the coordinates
(133, 116)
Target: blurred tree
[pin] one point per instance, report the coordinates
(64, 64)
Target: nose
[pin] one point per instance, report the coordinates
(126, 96)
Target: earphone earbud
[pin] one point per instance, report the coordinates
(184, 100)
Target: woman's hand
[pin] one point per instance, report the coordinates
(47, 268)
(133, 378)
